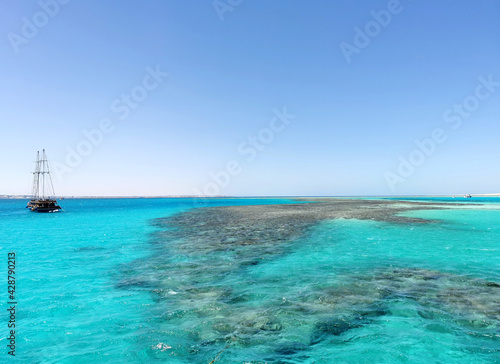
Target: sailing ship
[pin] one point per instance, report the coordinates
(43, 195)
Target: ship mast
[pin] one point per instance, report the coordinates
(43, 172)
(42, 176)
(36, 178)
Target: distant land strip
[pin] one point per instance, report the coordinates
(23, 197)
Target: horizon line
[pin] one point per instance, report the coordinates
(6, 196)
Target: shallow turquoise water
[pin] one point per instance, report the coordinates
(97, 283)
(69, 308)
(457, 199)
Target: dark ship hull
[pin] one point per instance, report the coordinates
(46, 205)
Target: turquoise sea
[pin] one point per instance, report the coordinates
(101, 283)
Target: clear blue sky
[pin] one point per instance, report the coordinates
(353, 120)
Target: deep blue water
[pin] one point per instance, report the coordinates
(349, 291)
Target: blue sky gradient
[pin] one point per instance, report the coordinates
(355, 120)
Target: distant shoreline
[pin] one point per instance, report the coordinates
(24, 197)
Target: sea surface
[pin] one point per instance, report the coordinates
(102, 282)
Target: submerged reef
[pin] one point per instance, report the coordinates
(247, 224)
(211, 295)
(267, 229)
